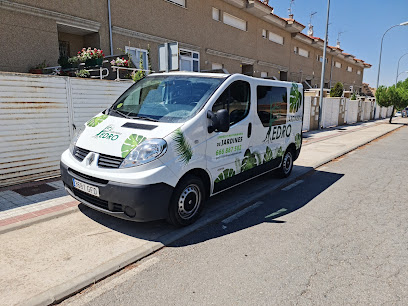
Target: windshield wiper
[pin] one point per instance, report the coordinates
(119, 113)
(145, 118)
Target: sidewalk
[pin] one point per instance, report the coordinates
(52, 247)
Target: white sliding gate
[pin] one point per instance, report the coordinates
(37, 114)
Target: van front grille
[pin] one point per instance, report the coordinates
(107, 161)
(86, 177)
(80, 153)
(96, 201)
(104, 161)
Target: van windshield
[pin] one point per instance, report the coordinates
(166, 98)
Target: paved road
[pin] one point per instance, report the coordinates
(337, 236)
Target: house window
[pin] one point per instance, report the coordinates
(235, 22)
(358, 72)
(303, 52)
(189, 60)
(276, 38)
(136, 54)
(263, 33)
(264, 74)
(216, 66)
(296, 50)
(178, 2)
(337, 64)
(272, 105)
(216, 14)
(349, 69)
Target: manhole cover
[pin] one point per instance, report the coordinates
(32, 190)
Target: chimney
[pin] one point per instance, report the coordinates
(291, 16)
(338, 44)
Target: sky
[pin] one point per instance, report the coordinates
(363, 23)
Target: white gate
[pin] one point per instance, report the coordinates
(37, 114)
(306, 114)
(331, 107)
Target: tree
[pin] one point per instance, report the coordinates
(395, 96)
(337, 90)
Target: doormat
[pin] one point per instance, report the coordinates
(32, 190)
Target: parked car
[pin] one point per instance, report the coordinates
(173, 139)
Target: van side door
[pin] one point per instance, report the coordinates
(225, 151)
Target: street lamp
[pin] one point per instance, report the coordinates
(398, 76)
(396, 80)
(379, 62)
(323, 67)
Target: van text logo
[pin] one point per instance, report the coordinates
(108, 133)
(279, 131)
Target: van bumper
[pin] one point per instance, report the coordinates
(130, 202)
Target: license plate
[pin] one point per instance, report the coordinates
(86, 187)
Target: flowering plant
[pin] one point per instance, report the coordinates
(120, 62)
(87, 54)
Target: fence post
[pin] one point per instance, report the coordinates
(70, 107)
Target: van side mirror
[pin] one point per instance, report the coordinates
(220, 121)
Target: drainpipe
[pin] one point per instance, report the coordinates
(110, 28)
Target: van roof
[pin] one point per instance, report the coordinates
(216, 75)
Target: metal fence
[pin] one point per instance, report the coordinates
(37, 118)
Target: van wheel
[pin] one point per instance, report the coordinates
(186, 201)
(287, 164)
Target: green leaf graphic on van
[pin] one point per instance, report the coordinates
(298, 140)
(268, 155)
(295, 98)
(249, 161)
(96, 120)
(227, 173)
(130, 143)
(182, 147)
(280, 152)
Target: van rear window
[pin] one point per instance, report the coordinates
(272, 105)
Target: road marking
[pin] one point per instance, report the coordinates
(282, 210)
(108, 284)
(241, 213)
(292, 185)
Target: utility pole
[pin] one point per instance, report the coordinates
(323, 66)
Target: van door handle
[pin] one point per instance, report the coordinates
(249, 129)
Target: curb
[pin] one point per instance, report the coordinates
(26, 223)
(65, 290)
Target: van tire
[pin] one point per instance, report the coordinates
(187, 201)
(287, 164)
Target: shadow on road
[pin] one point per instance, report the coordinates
(274, 207)
(275, 204)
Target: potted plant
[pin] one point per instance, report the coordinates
(74, 62)
(120, 62)
(63, 61)
(91, 57)
(82, 73)
(39, 68)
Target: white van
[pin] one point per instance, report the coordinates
(174, 139)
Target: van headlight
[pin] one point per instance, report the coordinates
(74, 140)
(146, 152)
